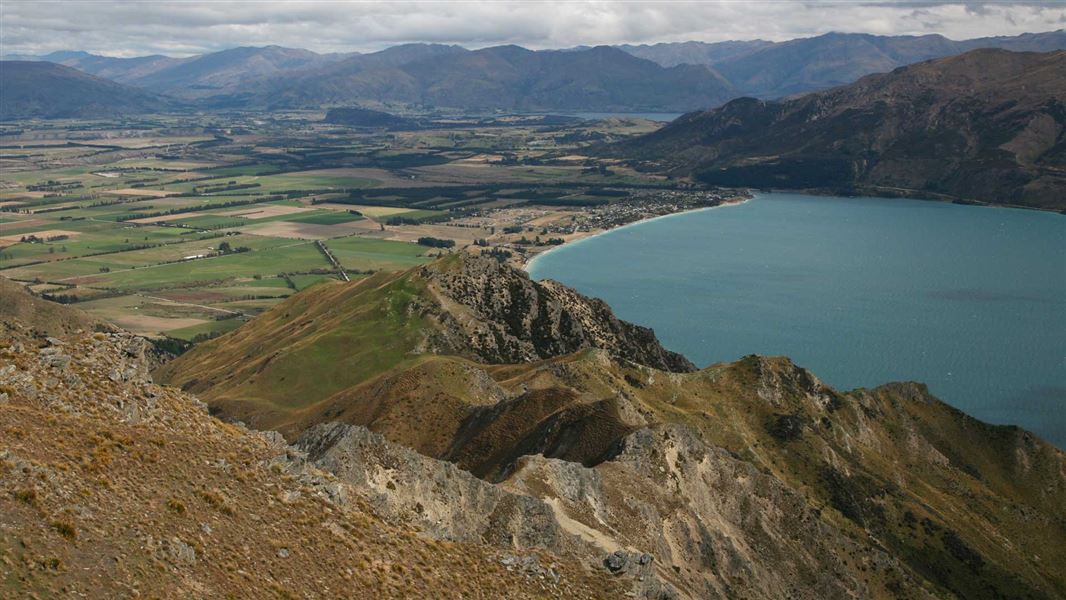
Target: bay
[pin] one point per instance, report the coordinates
(969, 300)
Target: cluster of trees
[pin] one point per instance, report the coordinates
(538, 242)
(225, 248)
(499, 254)
(61, 298)
(233, 185)
(33, 239)
(53, 186)
(433, 242)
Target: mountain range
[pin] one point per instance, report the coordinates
(769, 70)
(674, 77)
(419, 75)
(987, 126)
(524, 414)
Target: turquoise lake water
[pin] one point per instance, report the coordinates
(862, 291)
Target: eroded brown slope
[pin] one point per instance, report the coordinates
(744, 479)
(113, 486)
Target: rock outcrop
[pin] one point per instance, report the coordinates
(500, 315)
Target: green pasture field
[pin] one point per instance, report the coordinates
(365, 254)
(93, 238)
(150, 258)
(298, 181)
(298, 257)
(210, 222)
(265, 282)
(330, 217)
(302, 282)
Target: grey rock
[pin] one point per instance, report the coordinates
(57, 361)
(181, 552)
(518, 319)
(616, 561)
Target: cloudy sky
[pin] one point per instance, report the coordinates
(188, 27)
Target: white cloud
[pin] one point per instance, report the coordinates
(180, 28)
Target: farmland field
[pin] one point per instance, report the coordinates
(166, 227)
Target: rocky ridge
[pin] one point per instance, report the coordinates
(499, 315)
(745, 479)
(111, 485)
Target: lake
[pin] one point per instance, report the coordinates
(970, 300)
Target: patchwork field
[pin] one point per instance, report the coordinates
(168, 228)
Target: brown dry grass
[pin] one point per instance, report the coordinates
(174, 503)
(310, 231)
(141, 192)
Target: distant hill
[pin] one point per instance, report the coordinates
(988, 125)
(774, 70)
(196, 76)
(48, 90)
(228, 71)
(122, 70)
(507, 78)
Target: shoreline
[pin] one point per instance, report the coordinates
(527, 263)
(906, 194)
